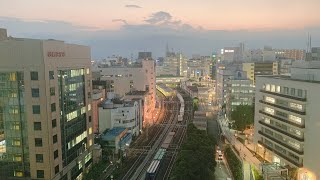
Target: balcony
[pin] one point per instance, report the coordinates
(285, 96)
(283, 107)
(284, 156)
(282, 131)
(281, 143)
(282, 119)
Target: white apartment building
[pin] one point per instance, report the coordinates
(124, 79)
(287, 119)
(118, 113)
(240, 91)
(45, 109)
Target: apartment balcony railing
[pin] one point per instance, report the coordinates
(284, 95)
(281, 143)
(283, 107)
(282, 119)
(284, 156)
(301, 139)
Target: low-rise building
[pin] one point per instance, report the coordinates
(120, 113)
(287, 119)
(118, 139)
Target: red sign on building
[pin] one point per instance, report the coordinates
(56, 54)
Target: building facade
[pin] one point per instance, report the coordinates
(126, 114)
(287, 119)
(45, 109)
(240, 91)
(255, 69)
(98, 95)
(125, 79)
(294, 54)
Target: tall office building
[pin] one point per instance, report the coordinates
(287, 119)
(45, 109)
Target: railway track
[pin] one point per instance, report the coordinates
(158, 132)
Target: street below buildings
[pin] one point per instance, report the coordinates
(221, 171)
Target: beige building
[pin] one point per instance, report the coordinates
(287, 119)
(255, 69)
(294, 54)
(124, 79)
(45, 109)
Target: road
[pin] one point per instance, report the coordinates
(221, 172)
(245, 153)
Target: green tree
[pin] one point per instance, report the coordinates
(195, 104)
(196, 156)
(243, 116)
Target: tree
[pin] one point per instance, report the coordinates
(243, 116)
(195, 104)
(196, 157)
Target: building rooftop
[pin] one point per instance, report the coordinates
(137, 93)
(113, 133)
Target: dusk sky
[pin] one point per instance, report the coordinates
(123, 27)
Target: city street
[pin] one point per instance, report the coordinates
(221, 172)
(245, 153)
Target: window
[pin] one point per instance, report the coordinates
(267, 120)
(296, 106)
(56, 169)
(36, 109)
(285, 90)
(270, 100)
(273, 88)
(269, 110)
(51, 75)
(55, 139)
(34, 75)
(54, 123)
(293, 92)
(295, 119)
(267, 87)
(38, 142)
(55, 154)
(40, 173)
(89, 118)
(39, 158)
(35, 92)
(278, 89)
(53, 107)
(299, 92)
(37, 126)
(52, 91)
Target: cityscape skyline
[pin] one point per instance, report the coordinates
(144, 26)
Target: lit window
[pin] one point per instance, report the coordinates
(278, 89)
(18, 157)
(89, 107)
(267, 87)
(273, 88)
(295, 119)
(88, 71)
(267, 120)
(90, 130)
(16, 142)
(269, 110)
(270, 100)
(294, 144)
(296, 106)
